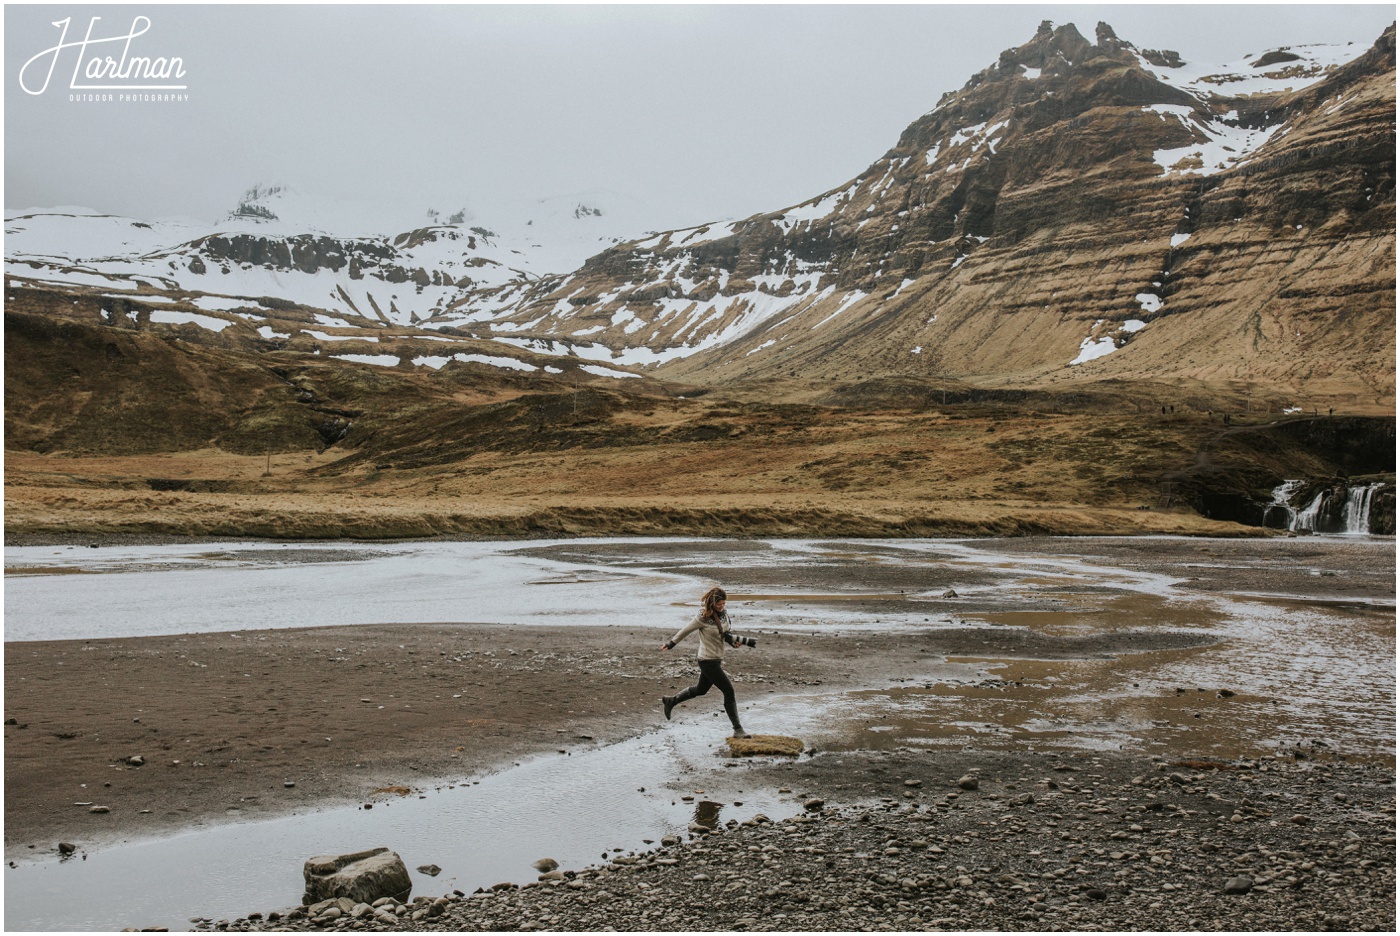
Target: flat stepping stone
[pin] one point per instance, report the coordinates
(764, 745)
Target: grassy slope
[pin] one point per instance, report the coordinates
(117, 431)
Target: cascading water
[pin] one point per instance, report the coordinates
(1330, 511)
(1279, 513)
(1358, 515)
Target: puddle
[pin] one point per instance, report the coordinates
(575, 809)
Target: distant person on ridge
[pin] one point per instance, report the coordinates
(713, 624)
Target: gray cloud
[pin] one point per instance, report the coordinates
(698, 112)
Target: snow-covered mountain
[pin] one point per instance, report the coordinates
(1076, 208)
(275, 272)
(279, 242)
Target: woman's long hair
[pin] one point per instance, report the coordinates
(711, 603)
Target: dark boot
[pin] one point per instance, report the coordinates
(668, 702)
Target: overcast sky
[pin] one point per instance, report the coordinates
(696, 112)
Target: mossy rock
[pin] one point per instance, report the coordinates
(764, 745)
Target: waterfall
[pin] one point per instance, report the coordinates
(1358, 515)
(1279, 513)
(1334, 510)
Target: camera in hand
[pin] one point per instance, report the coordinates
(735, 641)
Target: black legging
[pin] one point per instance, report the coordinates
(712, 675)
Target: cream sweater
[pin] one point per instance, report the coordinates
(711, 636)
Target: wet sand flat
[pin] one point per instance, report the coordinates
(225, 721)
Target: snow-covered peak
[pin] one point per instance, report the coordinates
(562, 231)
(282, 209)
(1269, 72)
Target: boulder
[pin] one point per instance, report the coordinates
(361, 877)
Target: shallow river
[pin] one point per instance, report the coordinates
(1296, 660)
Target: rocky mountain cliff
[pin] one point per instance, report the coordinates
(1077, 210)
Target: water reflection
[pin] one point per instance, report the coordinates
(707, 814)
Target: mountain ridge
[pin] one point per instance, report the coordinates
(1067, 213)
(1071, 137)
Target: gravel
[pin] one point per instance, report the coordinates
(900, 841)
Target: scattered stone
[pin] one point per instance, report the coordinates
(431, 870)
(813, 805)
(950, 594)
(136, 760)
(1239, 884)
(66, 848)
(1051, 867)
(968, 782)
(99, 809)
(545, 865)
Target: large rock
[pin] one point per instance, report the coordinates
(362, 877)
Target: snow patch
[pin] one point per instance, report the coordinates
(1100, 344)
(505, 362)
(379, 360)
(322, 336)
(1091, 349)
(1150, 302)
(187, 318)
(605, 371)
